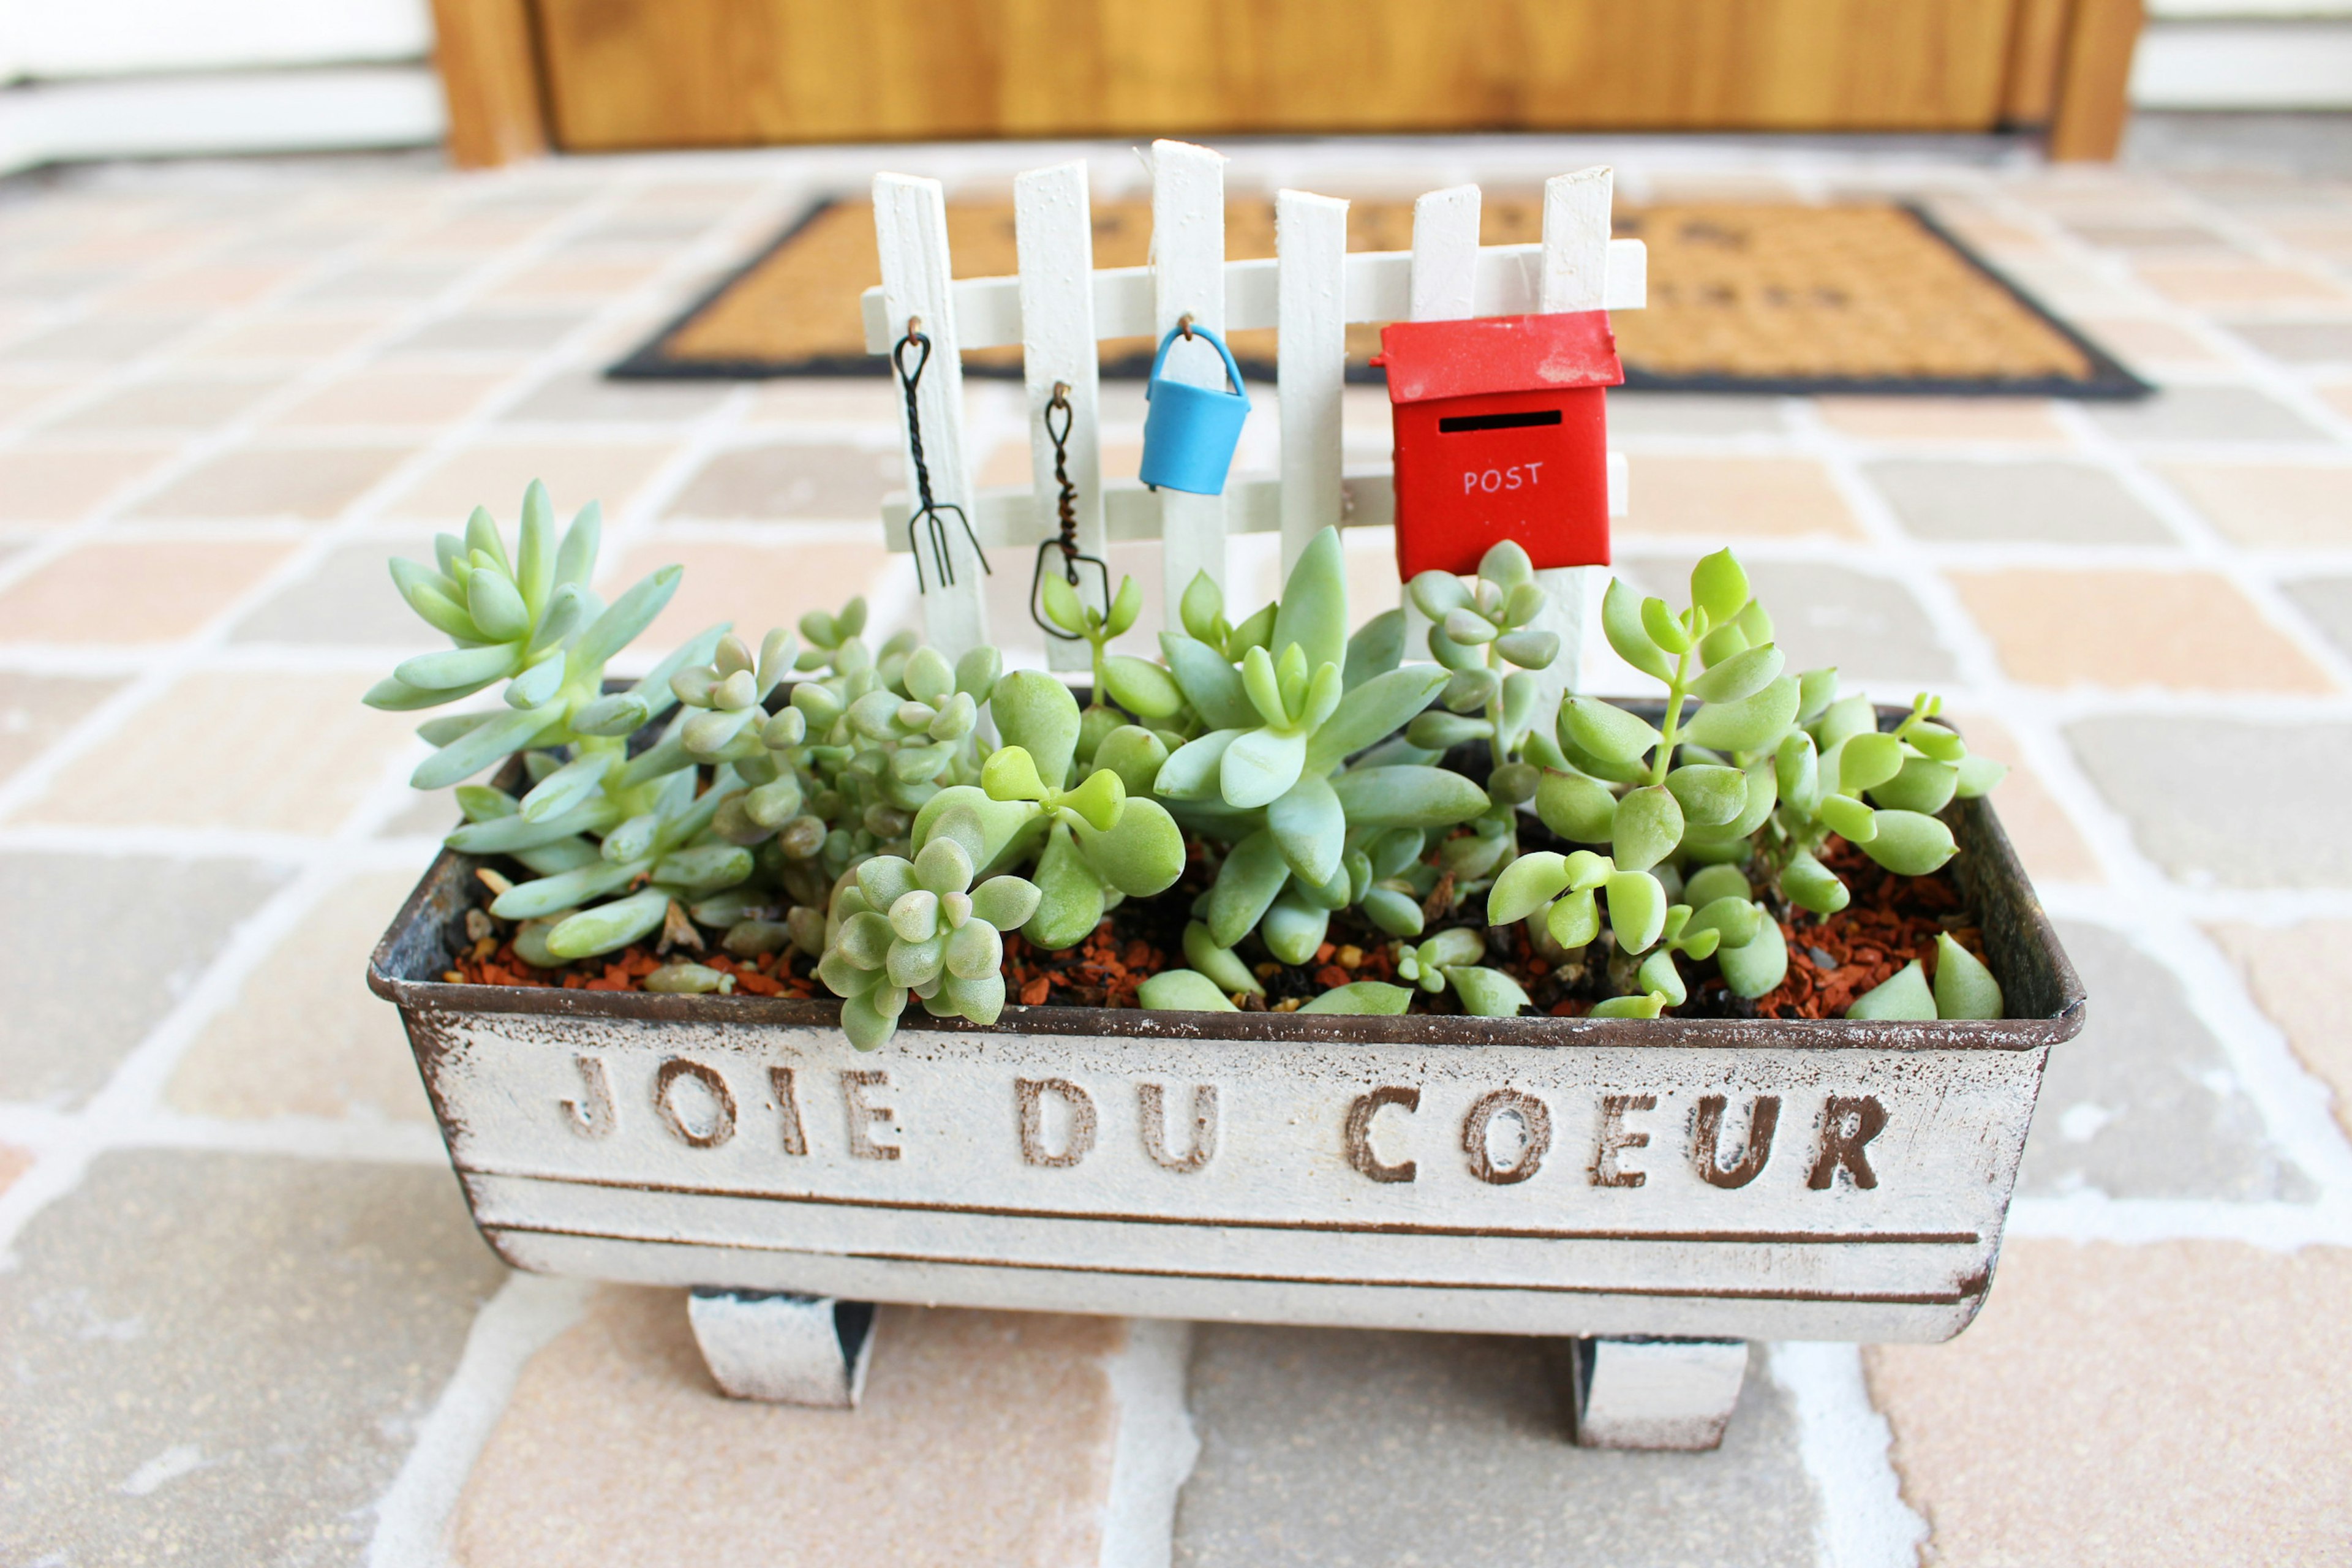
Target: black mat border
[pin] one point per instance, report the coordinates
(2109, 380)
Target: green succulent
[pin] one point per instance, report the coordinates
(1482, 632)
(1286, 772)
(1450, 959)
(920, 928)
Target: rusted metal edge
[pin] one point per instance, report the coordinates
(1968, 1289)
(1399, 1227)
(2027, 959)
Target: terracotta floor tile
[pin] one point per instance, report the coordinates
(983, 1437)
(107, 338)
(169, 403)
(2189, 631)
(20, 397)
(2042, 500)
(843, 400)
(2325, 341)
(307, 484)
(143, 593)
(2201, 813)
(14, 1162)
(822, 481)
(208, 286)
(754, 585)
(506, 331)
(291, 337)
(65, 484)
(2340, 398)
(2207, 413)
(496, 474)
(573, 281)
(587, 397)
(2136, 340)
(2181, 1402)
(2298, 975)
(1730, 497)
(2226, 283)
(386, 395)
(2045, 837)
(302, 1039)
(1941, 419)
(36, 710)
(278, 753)
(2271, 505)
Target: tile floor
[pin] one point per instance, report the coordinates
(246, 1318)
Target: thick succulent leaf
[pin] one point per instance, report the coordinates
(1363, 997)
(1743, 675)
(1924, 785)
(1817, 688)
(1135, 755)
(1758, 966)
(393, 695)
(1849, 818)
(1293, 926)
(1193, 770)
(1071, 901)
(566, 889)
(1842, 719)
(1605, 730)
(1750, 724)
(1530, 649)
(1706, 884)
(505, 835)
(1902, 996)
(1209, 683)
(1719, 586)
(1574, 921)
(471, 667)
(1796, 771)
(1037, 713)
(1867, 760)
(1441, 731)
(1221, 964)
(1377, 648)
(1710, 796)
(1637, 909)
(435, 598)
(1525, 886)
(622, 714)
(1965, 988)
(1182, 991)
(1393, 909)
(1253, 872)
(1313, 613)
(1486, 992)
(1259, 766)
(1408, 796)
(1141, 854)
(609, 927)
(1978, 775)
(1647, 828)
(1659, 975)
(535, 547)
(1371, 711)
(1911, 843)
(1309, 824)
(1809, 885)
(1141, 687)
(484, 744)
(1202, 605)
(1649, 1004)
(1435, 593)
(1621, 620)
(1005, 902)
(1723, 643)
(630, 614)
(1576, 807)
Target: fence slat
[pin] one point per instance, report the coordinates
(1053, 232)
(1576, 258)
(1310, 239)
(1379, 284)
(1445, 288)
(1188, 257)
(910, 229)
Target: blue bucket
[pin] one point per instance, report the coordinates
(1190, 432)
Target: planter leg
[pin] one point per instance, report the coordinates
(784, 1348)
(1654, 1394)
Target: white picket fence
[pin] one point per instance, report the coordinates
(1060, 306)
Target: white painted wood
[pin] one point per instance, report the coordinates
(327, 109)
(773, 1157)
(1311, 236)
(910, 225)
(1188, 273)
(1576, 258)
(1444, 288)
(1445, 255)
(1004, 517)
(1656, 1393)
(1379, 288)
(784, 1348)
(1054, 231)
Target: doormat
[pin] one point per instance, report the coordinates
(1853, 297)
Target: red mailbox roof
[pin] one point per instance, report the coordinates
(1430, 360)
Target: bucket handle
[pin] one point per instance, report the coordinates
(1186, 328)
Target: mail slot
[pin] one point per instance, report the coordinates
(1500, 433)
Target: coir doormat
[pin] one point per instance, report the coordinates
(1854, 298)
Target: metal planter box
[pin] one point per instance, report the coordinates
(1722, 1179)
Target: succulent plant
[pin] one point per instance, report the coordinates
(1280, 773)
(920, 928)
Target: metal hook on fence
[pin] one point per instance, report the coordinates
(1066, 542)
(927, 510)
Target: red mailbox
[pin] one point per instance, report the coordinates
(1500, 433)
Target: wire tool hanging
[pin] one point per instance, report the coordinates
(928, 512)
(1066, 542)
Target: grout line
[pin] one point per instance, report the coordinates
(1156, 1447)
(1845, 1444)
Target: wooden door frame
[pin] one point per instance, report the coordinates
(2069, 70)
